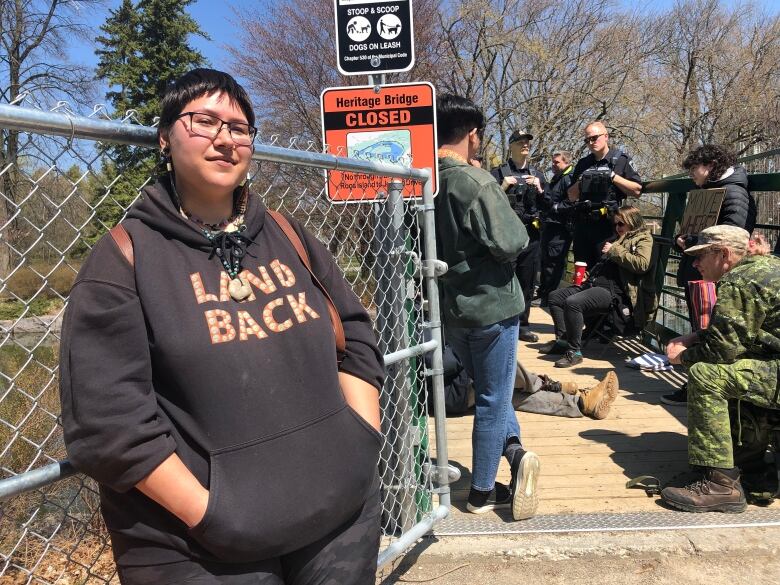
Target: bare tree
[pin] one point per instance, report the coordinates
(33, 34)
(719, 67)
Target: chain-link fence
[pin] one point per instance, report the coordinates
(65, 179)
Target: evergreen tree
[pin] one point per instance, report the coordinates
(144, 47)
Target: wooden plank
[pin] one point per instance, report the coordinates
(585, 462)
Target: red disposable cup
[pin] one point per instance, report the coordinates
(579, 273)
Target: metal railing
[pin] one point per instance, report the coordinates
(61, 187)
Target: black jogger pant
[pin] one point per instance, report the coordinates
(555, 244)
(570, 307)
(525, 269)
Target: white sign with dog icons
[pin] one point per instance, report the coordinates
(374, 36)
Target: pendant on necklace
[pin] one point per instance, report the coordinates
(239, 289)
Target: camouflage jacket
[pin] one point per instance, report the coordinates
(746, 319)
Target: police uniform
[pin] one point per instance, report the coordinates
(524, 200)
(557, 228)
(599, 198)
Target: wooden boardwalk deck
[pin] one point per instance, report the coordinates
(585, 463)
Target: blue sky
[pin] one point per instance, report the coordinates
(213, 16)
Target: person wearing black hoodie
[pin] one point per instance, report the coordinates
(200, 386)
(712, 166)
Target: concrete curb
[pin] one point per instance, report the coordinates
(751, 541)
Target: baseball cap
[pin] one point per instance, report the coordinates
(520, 134)
(722, 236)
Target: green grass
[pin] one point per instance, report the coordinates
(40, 306)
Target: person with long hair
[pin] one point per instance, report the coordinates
(614, 282)
(201, 386)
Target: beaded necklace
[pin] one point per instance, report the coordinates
(227, 242)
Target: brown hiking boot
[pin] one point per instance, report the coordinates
(715, 492)
(595, 402)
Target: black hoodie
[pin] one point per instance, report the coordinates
(738, 209)
(160, 359)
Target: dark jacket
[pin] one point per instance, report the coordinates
(160, 359)
(738, 209)
(554, 202)
(523, 198)
(478, 236)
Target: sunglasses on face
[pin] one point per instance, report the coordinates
(620, 224)
(592, 139)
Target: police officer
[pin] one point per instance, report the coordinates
(524, 185)
(600, 182)
(557, 225)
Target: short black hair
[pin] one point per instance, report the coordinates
(456, 116)
(720, 157)
(197, 83)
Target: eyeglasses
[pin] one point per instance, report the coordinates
(210, 126)
(480, 132)
(592, 139)
(620, 224)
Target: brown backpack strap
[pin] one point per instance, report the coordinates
(295, 240)
(123, 242)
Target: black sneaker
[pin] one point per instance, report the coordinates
(677, 398)
(525, 471)
(496, 499)
(556, 346)
(528, 336)
(569, 359)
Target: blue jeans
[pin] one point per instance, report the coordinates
(489, 355)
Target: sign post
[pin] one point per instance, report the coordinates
(374, 36)
(395, 125)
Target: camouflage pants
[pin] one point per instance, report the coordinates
(710, 387)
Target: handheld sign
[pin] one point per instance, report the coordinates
(374, 36)
(701, 210)
(395, 126)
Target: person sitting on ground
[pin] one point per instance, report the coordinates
(615, 282)
(543, 395)
(736, 358)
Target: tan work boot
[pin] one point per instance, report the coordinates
(595, 402)
(550, 385)
(570, 388)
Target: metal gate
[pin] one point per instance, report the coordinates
(60, 189)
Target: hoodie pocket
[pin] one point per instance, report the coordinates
(280, 493)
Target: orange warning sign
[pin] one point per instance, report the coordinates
(395, 126)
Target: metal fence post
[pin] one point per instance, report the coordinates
(390, 296)
(433, 269)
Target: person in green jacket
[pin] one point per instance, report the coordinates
(620, 282)
(478, 235)
(736, 358)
